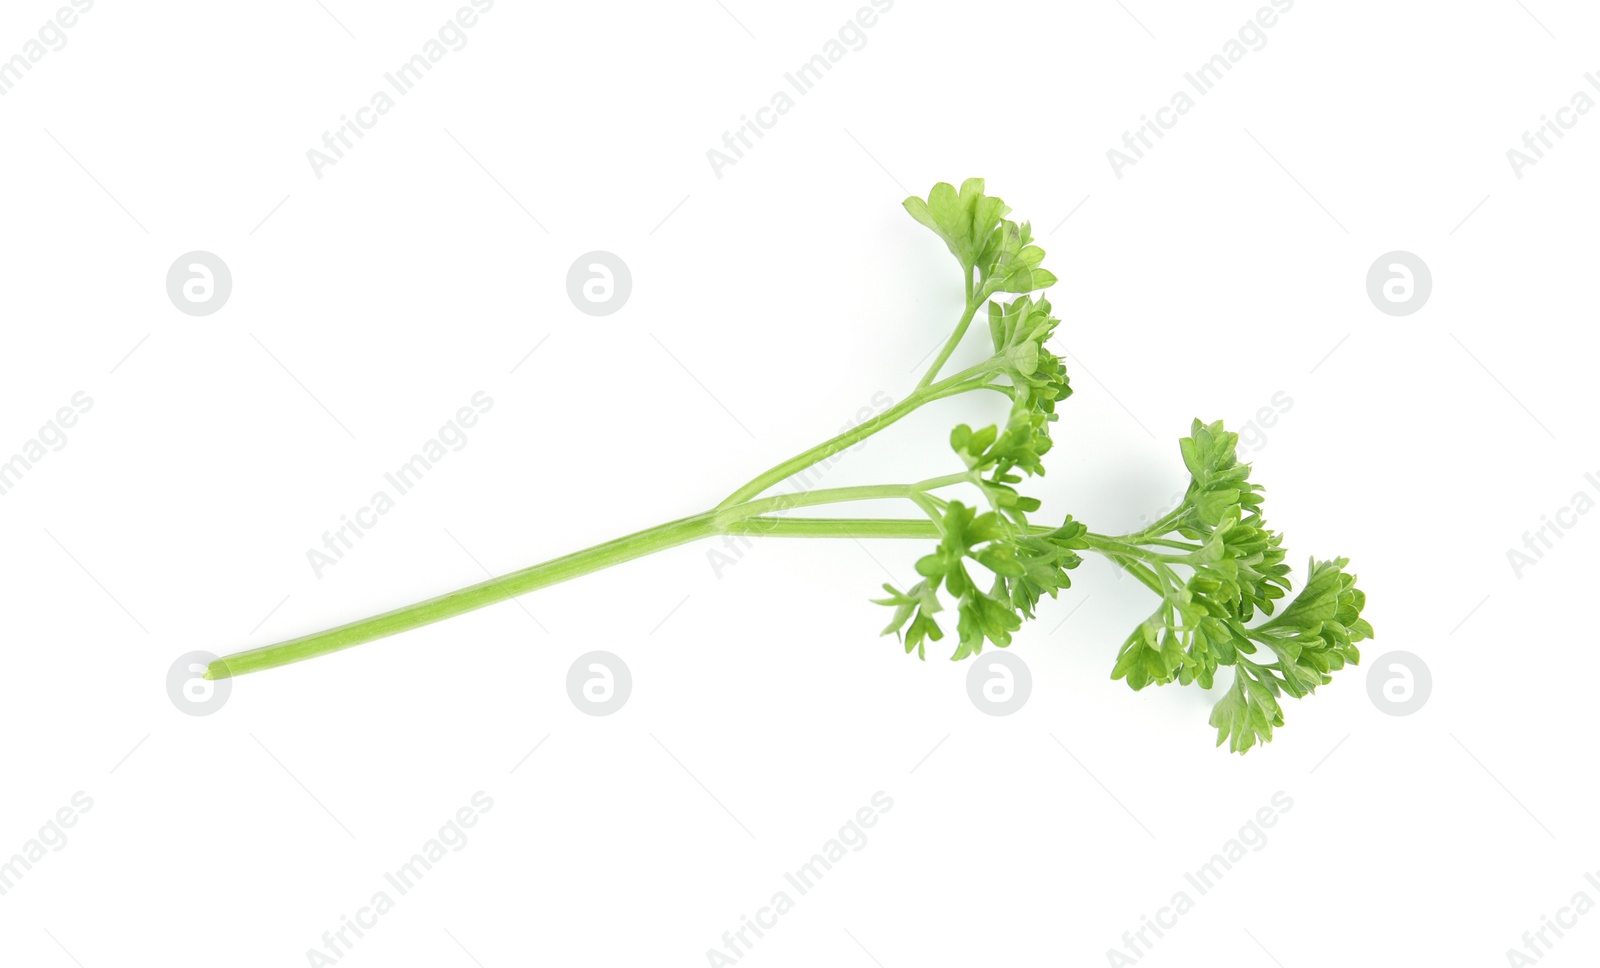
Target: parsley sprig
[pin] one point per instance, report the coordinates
(1218, 572)
(1236, 573)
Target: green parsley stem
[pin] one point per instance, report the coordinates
(744, 519)
(949, 387)
(751, 518)
(955, 337)
(467, 599)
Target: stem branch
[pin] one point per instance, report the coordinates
(955, 337)
(959, 383)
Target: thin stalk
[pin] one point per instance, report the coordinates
(955, 337)
(1150, 569)
(750, 517)
(1181, 545)
(830, 495)
(739, 514)
(467, 599)
(934, 483)
(1142, 572)
(933, 508)
(745, 519)
(834, 528)
(1132, 546)
(944, 388)
(1166, 525)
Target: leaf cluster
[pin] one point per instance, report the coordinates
(1020, 332)
(1025, 567)
(1219, 570)
(1236, 574)
(975, 228)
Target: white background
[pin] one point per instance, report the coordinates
(769, 306)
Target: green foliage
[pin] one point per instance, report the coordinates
(1025, 567)
(974, 227)
(1236, 570)
(1218, 571)
(1020, 331)
(1316, 635)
